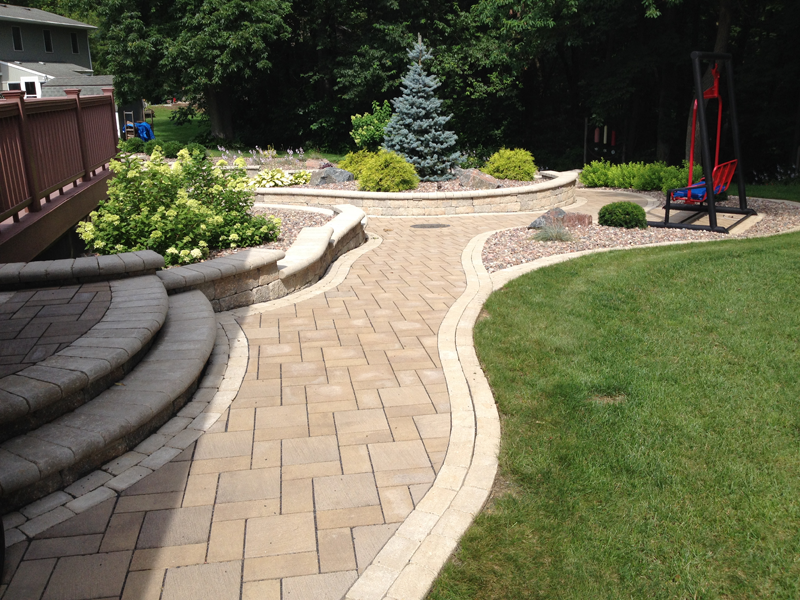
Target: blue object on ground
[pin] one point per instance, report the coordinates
(145, 131)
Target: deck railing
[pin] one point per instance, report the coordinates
(48, 143)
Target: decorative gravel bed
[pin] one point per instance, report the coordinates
(292, 221)
(453, 185)
(514, 246)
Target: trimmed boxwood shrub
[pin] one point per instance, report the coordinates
(387, 172)
(514, 164)
(622, 214)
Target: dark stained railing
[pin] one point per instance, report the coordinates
(48, 143)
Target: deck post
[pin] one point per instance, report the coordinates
(109, 91)
(31, 174)
(76, 93)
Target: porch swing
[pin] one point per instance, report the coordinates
(699, 199)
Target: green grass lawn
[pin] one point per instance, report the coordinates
(781, 192)
(166, 131)
(650, 406)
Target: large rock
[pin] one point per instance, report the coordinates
(330, 175)
(475, 179)
(556, 216)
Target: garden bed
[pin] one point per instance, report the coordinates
(513, 246)
(292, 222)
(555, 189)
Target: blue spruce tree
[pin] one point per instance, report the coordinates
(416, 130)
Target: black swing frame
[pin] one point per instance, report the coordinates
(709, 206)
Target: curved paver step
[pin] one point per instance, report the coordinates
(102, 356)
(58, 453)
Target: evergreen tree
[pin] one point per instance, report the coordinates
(416, 131)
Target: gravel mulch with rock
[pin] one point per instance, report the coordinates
(514, 246)
(453, 185)
(292, 221)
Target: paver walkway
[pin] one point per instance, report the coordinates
(337, 432)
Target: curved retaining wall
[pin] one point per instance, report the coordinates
(558, 190)
(254, 275)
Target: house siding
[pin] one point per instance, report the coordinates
(33, 44)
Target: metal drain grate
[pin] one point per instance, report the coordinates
(429, 226)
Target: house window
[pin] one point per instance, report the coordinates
(16, 34)
(75, 43)
(48, 41)
(14, 86)
(30, 89)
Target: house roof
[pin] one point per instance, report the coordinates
(52, 69)
(24, 14)
(81, 80)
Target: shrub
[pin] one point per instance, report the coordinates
(180, 210)
(133, 145)
(355, 161)
(553, 233)
(368, 128)
(387, 172)
(511, 164)
(151, 145)
(195, 147)
(637, 175)
(280, 178)
(622, 214)
(170, 149)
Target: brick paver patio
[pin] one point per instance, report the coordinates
(338, 430)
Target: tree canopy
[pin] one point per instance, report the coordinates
(524, 73)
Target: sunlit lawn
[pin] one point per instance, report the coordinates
(778, 191)
(650, 405)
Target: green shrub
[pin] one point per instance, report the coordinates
(355, 161)
(553, 233)
(622, 214)
(387, 172)
(180, 210)
(511, 164)
(637, 175)
(368, 128)
(195, 147)
(279, 178)
(170, 149)
(151, 145)
(133, 145)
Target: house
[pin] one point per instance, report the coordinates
(43, 54)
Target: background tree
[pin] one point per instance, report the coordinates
(416, 130)
(206, 51)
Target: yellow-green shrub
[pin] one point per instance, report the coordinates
(387, 172)
(355, 161)
(514, 164)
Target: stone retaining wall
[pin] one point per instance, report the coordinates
(253, 276)
(558, 190)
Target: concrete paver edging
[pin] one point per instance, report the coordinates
(71, 271)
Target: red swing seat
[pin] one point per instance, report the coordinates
(697, 193)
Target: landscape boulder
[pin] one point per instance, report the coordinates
(475, 179)
(330, 175)
(556, 216)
